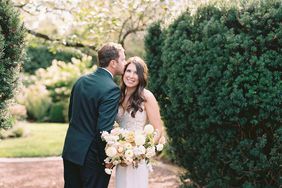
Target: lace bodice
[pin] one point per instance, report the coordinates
(125, 120)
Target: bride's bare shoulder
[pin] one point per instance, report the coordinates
(148, 95)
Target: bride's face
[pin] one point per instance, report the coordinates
(130, 77)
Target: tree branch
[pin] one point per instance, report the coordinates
(20, 5)
(128, 33)
(68, 44)
(122, 28)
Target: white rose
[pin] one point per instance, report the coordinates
(107, 160)
(104, 134)
(116, 131)
(139, 150)
(142, 149)
(108, 171)
(139, 139)
(128, 153)
(127, 146)
(159, 147)
(150, 152)
(111, 151)
(149, 129)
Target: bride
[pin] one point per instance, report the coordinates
(138, 107)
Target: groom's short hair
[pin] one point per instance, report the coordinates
(108, 52)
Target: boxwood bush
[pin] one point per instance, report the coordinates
(223, 109)
(11, 56)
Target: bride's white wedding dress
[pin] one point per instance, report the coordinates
(129, 177)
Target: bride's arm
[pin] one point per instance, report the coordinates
(153, 113)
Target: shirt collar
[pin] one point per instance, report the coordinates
(108, 71)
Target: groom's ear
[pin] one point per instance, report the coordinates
(113, 63)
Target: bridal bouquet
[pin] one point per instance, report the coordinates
(130, 147)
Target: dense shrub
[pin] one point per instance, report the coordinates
(56, 113)
(11, 55)
(18, 111)
(153, 45)
(15, 132)
(57, 81)
(42, 57)
(36, 98)
(154, 41)
(224, 85)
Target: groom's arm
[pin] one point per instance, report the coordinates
(70, 104)
(108, 108)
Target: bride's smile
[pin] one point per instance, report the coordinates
(130, 77)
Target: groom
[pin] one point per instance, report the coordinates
(93, 107)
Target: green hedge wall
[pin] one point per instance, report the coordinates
(224, 94)
(11, 55)
(153, 47)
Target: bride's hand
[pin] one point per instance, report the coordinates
(109, 165)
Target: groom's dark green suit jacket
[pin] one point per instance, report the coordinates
(93, 107)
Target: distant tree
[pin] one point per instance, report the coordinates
(87, 24)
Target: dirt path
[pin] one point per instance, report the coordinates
(48, 173)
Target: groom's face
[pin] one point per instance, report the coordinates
(120, 63)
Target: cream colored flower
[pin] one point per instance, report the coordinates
(108, 171)
(149, 129)
(104, 134)
(150, 152)
(129, 153)
(111, 151)
(116, 131)
(139, 139)
(120, 149)
(140, 150)
(130, 137)
(107, 160)
(159, 147)
(127, 146)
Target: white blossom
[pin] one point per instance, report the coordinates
(150, 152)
(129, 153)
(108, 171)
(139, 139)
(111, 151)
(159, 147)
(149, 129)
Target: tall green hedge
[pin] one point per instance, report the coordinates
(11, 55)
(224, 86)
(153, 47)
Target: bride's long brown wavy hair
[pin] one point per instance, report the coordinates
(137, 97)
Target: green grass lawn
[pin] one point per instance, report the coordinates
(44, 139)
